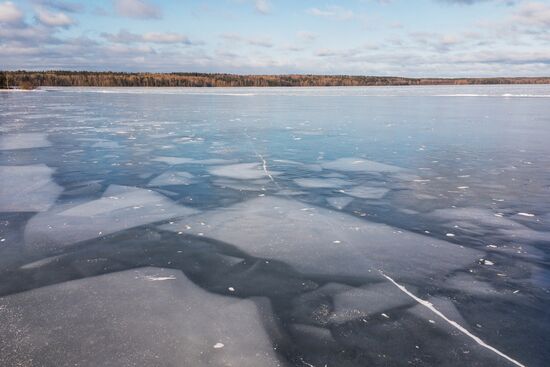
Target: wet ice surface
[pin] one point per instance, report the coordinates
(276, 227)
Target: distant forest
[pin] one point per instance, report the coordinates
(34, 79)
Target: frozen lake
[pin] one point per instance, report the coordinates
(390, 226)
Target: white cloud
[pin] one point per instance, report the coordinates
(306, 35)
(332, 11)
(53, 19)
(252, 41)
(124, 36)
(61, 5)
(535, 14)
(139, 9)
(165, 38)
(262, 6)
(9, 13)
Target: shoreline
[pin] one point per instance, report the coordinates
(212, 80)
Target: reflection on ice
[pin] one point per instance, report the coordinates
(126, 318)
(321, 241)
(27, 188)
(24, 141)
(119, 208)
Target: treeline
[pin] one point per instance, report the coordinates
(34, 79)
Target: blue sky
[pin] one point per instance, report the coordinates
(447, 38)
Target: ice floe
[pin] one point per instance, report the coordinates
(365, 192)
(106, 144)
(173, 178)
(321, 183)
(181, 160)
(479, 221)
(360, 165)
(125, 319)
(241, 171)
(119, 208)
(24, 141)
(368, 301)
(286, 230)
(27, 188)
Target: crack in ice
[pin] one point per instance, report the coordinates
(462, 329)
(264, 162)
(264, 167)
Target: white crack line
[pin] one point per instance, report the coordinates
(431, 307)
(264, 167)
(264, 162)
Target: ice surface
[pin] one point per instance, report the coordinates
(368, 301)
(173, 178)
(480, 220)
(143, 317)
(24, 141)
(107, 144)
(339, 202)
(322, 241)
(119, 208)
(27, 188)
(365, 192)
(242, 185)
(360, 165)
(470, 285)
(181, 160)
(241, 171)
(321, 183)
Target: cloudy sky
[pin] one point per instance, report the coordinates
(368, 37)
